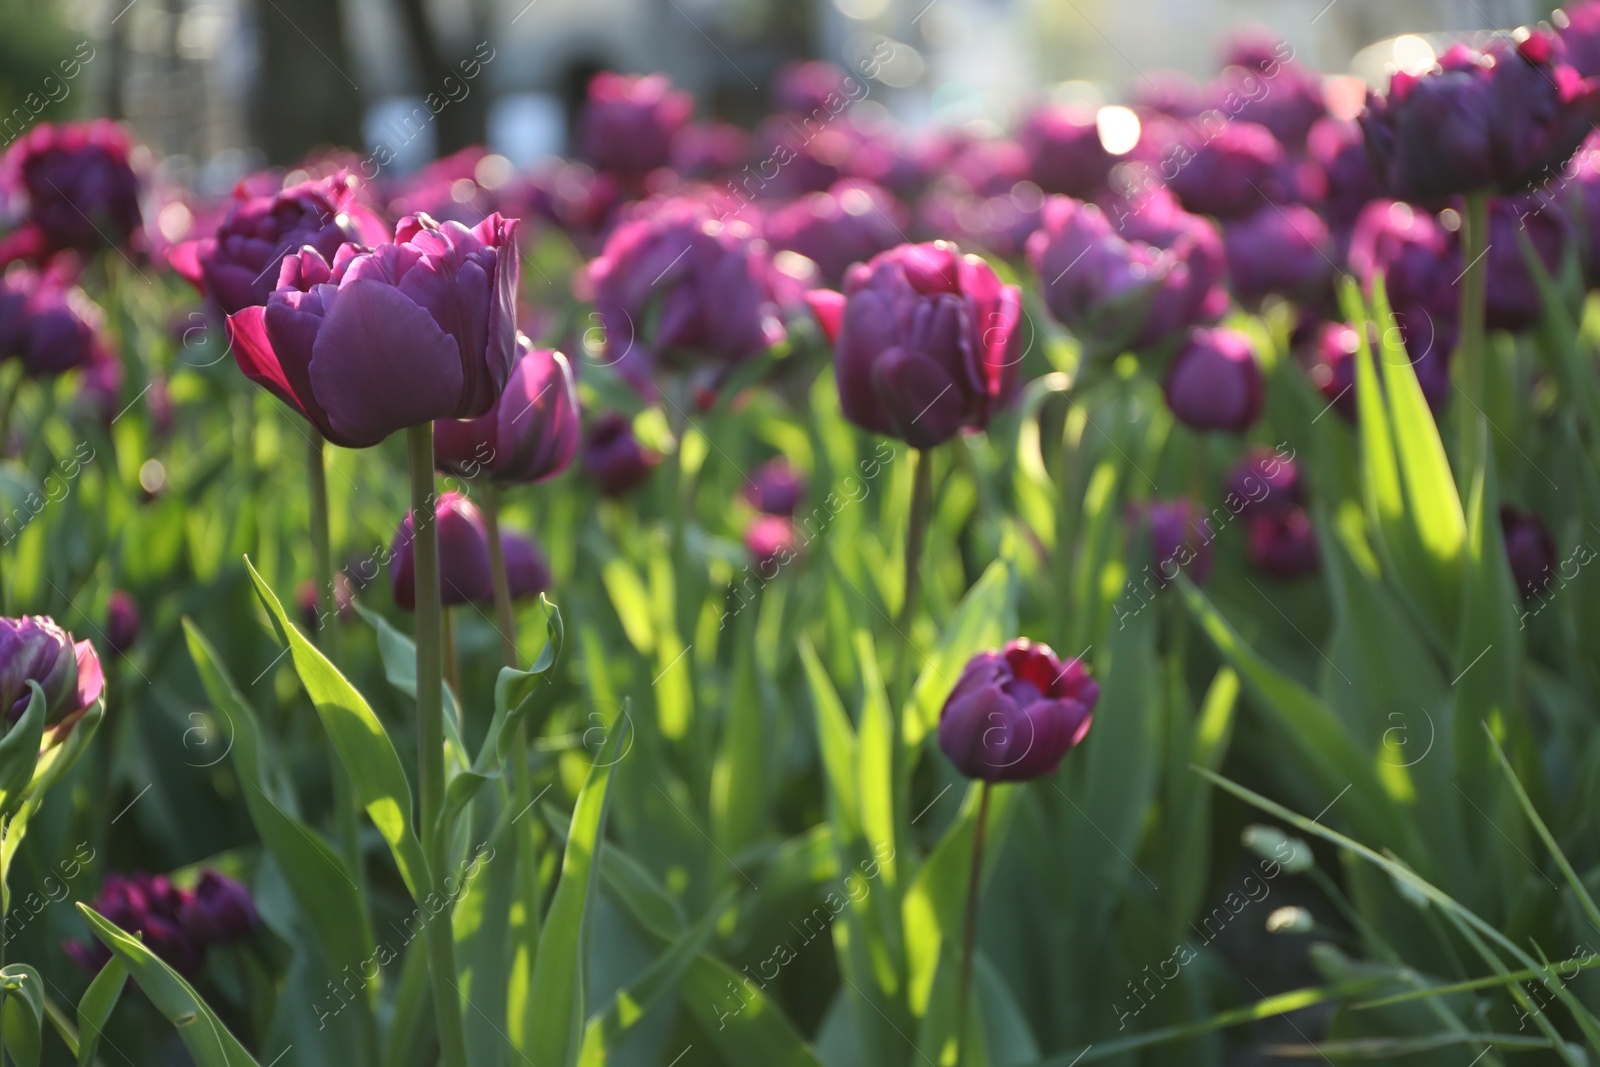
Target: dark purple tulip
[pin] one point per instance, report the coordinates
(1578, 30)
(1180, 539)
(527, 571)
(35, 649)
(675, 282)
(1420, 260)
(100, 388)
(1331, 361)
(1064, 151)
(710, 149)
(775, 487)
(1226, 171)
(81, 190)
(1283, 543)
(122, 622)
(1283, 249)
(1530, 549)
(1582, 199)
(1339, 152)
(146, 905)
(531, 433)
(630, 120)
(1015, 713)
(990, 168)
(850, 223)
(1513, 296)
(1283, 96)
(613, 456)
(1099, 286)
(926, 342)
(767, 538)
(1214, 382)
(239, 266)
(1264, 482)
(381, 340)
(1501, 119)
(464, 575)
(1192, 292)
(49, 324)
(218, 911)
(1171, 94)
(1257, 49)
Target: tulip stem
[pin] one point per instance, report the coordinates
(916, 534)
(1474, 242)
(969, 935)
(430, 740)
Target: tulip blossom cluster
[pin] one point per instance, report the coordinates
(178, 924)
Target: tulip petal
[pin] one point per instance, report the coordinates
(91, 678)
(247, 335)
(828, 307)
(923, 401)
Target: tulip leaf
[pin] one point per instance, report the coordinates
(363, 746)
(19, 750)
(555, 1008)
(204, 1035)
(94, 1010)
(837, 739)
(399, 654)
(22, 1020)
(986, 618)
(317, 876)
(740, 774)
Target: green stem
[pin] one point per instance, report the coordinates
(430, 740)
(969, 936)
(916, 534)
(1475, 244)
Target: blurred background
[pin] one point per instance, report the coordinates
(222, 86)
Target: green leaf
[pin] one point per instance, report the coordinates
(745, 1027)
(19, 751)
(837, 739)
(399, 654)
(96, 1006)
(556, 1006)
(322, 884)
(986, 618)
(740, 775)
(203, 1034)
(363, 746)
(22, 1020)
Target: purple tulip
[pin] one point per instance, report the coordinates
(990, 168)
(1099, 286)
(527, 570)
(50, 325)
(1419, 259)
(100, 388)
(1283, 543)
(1171, 94)
(122, 622)
(1214, 382)
(1064, 151)
(531, 433)
(1180, 539)
(1281, 95)
(1578, 30)
(239, 266)
(464, 575)
(1281, 249)
(150, 906)
(1227, 171)
(674, 282)
(1339, 152)
(218, 911)
(926, 342)
(1013, 714)
(1513, 296)
(613, 456)
(775, 487)
(35, 649)
(1000, 224)
(309, 603)
(80, 187)
(1530, 549)
(629, 121)
(770, 541)
(807, 85)
(1582, 199)
(1264, 482)
(709, 150)
(1499, 119)
(381, 340)
(850, 223)
(1192, 291)
(1331, 361)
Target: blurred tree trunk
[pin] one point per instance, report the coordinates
(464, 120)
(305, 96)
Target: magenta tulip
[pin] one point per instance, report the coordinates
(530, 435)
(1014, 714)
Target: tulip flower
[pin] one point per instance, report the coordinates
(527, 571)
(1229, 171)
(1530, 550)
(384, 339)
(219, 910)
(926, 342)
(80, 188)
(1264, 482)
(530, 435)
(1501, 119)
(709, 150)
(613, 456)
(1347, 182)
(1283, 543)
(675, 283)
(1279, 94)
(770, 541)
(1332, 354)
(1013, 714)
(1180, 539)
(775, 487)
(1214, 382)
(1100, 286)
(850, 223)
(238, 267)
(1281, 249)
(35, 649)
(464, 576)
(1064, 151)
(1578, 31)
(148, 906)
(1419, 259)
(629, 121)
(1513, 296)
(122, 622)
(47, 323)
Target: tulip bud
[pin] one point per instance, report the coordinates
(81, 190)
(219, 910)
(1279, 249)
(1064, 151)
(464, 575)
(1283, 543)
(613, 456)
(1512, 295)
(1530, 549)
(1015, 713)
(527, 571)
(850, 223)
(148, 906)
(1339, 152)
(122, 622)
(35, 649)
(530, 435)
(925, 342)
(629, 121)
(775, 487)
(770, 541)
(1231, 173)
(50, 325)
(1264, 482)
(1214, 383)
(1180, 537)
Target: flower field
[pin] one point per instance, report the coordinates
(832, 594)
